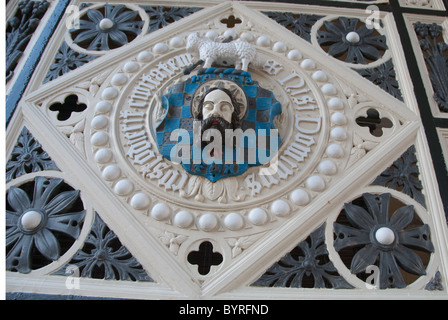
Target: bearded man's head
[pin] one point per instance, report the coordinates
(218, 109)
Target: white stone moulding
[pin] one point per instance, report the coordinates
(360, 1)
(443, 137)
(423, 4)
(147, 217)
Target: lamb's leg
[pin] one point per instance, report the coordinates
(238, 65)
(208, 63)
(245, 64)
(189, 69)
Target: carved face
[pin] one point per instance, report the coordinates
(217, 104)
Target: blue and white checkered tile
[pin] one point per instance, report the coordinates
(262, 108)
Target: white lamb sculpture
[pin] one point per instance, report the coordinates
(238, 52)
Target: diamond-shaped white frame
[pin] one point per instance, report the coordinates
(172, 275)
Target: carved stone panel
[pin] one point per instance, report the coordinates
(221, 152)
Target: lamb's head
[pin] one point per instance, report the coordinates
(193, 41)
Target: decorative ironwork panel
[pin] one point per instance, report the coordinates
(307, 266)
(19, 30)
(27, 156)
(104, 257)
(387, 241)
(43, 218)
(297, 24)
(66, 60)
(435, 52)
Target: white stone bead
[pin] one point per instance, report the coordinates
(161, 211)
(140, 201)
(335, 151)
(327, 167)
(119, 79)
(109, 93)
(123, 187)
(234, 221)
(103, 156)
(99, 138)
(211, 34)
(279, 47)
(335, 104)
(329, 89)
(320, 76)
(247, 36)
(300, 197)
(183, 219)
(208, 222)
(263, 41)
(160, 48)
(111, 173)
(230, 33)
(31, 220)
(106, 24)
(294, 55)
(315, 183)
(352, 37)
(103, 107)
(385, 235)
(258, 216)
(99, 122)
(308, 64)
(280, 208)
(338, 134)
(176, 42)
(131, 67)
(339, 118)
(145, 56)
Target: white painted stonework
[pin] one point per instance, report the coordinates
(161, 213)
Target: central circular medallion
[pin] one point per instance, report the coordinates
(180, 143)
(263, 141)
